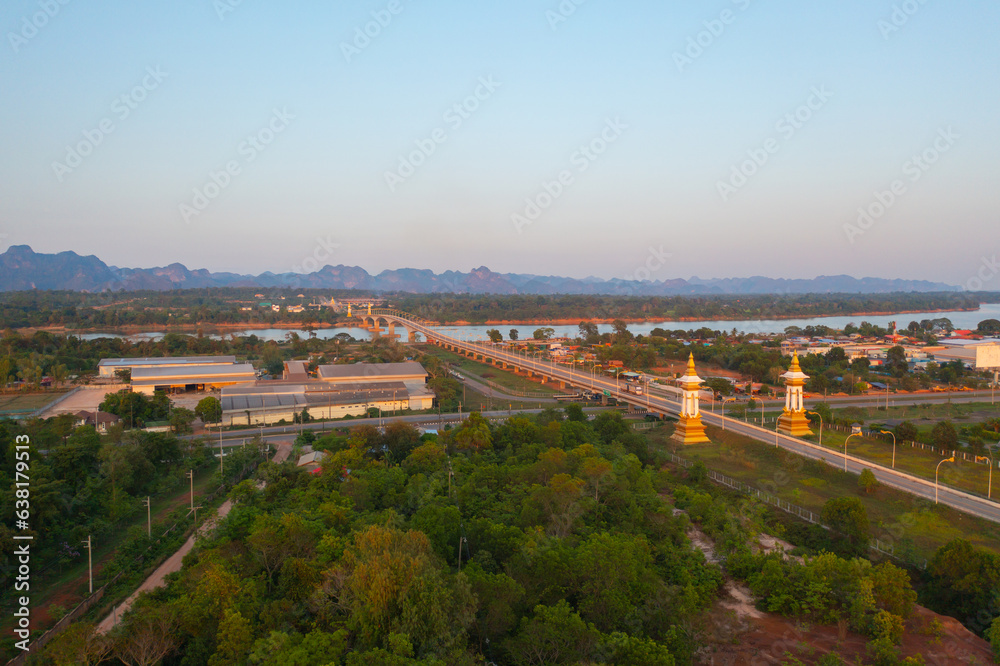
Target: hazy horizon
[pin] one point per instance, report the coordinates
(290, 124)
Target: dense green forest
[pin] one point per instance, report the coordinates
(217, 306)
(542, 540)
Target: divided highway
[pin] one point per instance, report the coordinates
(957, 499)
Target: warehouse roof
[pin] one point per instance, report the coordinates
(370, 371)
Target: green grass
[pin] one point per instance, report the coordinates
(972, 478)
(28, 402)
(476, 369)
(895, 516)
(938, 412)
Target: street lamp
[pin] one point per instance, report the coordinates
(853, 434)
(989, 486)
(936, 469)
(724, 401)
(888, 432)
(820, 426)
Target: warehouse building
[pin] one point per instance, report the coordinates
(108, 366)
(342, 390)
(198, 377)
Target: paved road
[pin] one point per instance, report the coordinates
(175, 561)
(966, 502)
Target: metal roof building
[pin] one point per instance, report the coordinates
(191, 377)
(107, 366)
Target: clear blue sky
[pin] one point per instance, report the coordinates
(682, 127)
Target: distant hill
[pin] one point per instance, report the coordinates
(22, 269)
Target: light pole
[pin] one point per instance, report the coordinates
(820, 426)
(190, 475)
(888, 432)
(90, 562)
(989, 485)
(724, 401)
(149, 518)
(845, 447)
(777, 422)
(936, 469)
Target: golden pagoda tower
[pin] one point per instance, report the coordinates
(690, 429)
(793, 419)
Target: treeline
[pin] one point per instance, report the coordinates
(480, 309)
(210, 306)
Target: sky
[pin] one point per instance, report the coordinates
(629, 139)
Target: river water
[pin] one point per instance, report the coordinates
(960, 320)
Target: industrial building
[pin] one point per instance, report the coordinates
(197, 377)
(341, 390)
(108, 366)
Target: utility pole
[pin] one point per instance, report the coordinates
(90, 562)
(149, 518)
(190, 475)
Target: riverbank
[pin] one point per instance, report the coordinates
(354, 322)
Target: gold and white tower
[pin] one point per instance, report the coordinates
(690, 429)
(793, 419)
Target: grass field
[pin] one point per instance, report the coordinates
(970, 477)
(27, 402)
(896, 517)
(476, 369)
(936, 412)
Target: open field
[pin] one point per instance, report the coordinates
(13, 403)
(911, 524)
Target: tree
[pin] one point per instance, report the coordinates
(993, 636)
(513, 334)
(588, 332)
(895, 361)
(848, 516)
(836, 354)
(867, 480)
(719, 385)
(989, 327)
(574, 412)
(944, 436)
(554, 635)
(181, 419)
(124, 375)
(906, 431)
(209, 410)
(495, 335)
(543, 333)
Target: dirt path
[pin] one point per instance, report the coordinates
(175, 561)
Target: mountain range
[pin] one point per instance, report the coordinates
(21, 268)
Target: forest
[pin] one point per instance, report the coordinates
(542, 540)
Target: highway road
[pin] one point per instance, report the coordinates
(957, 499)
